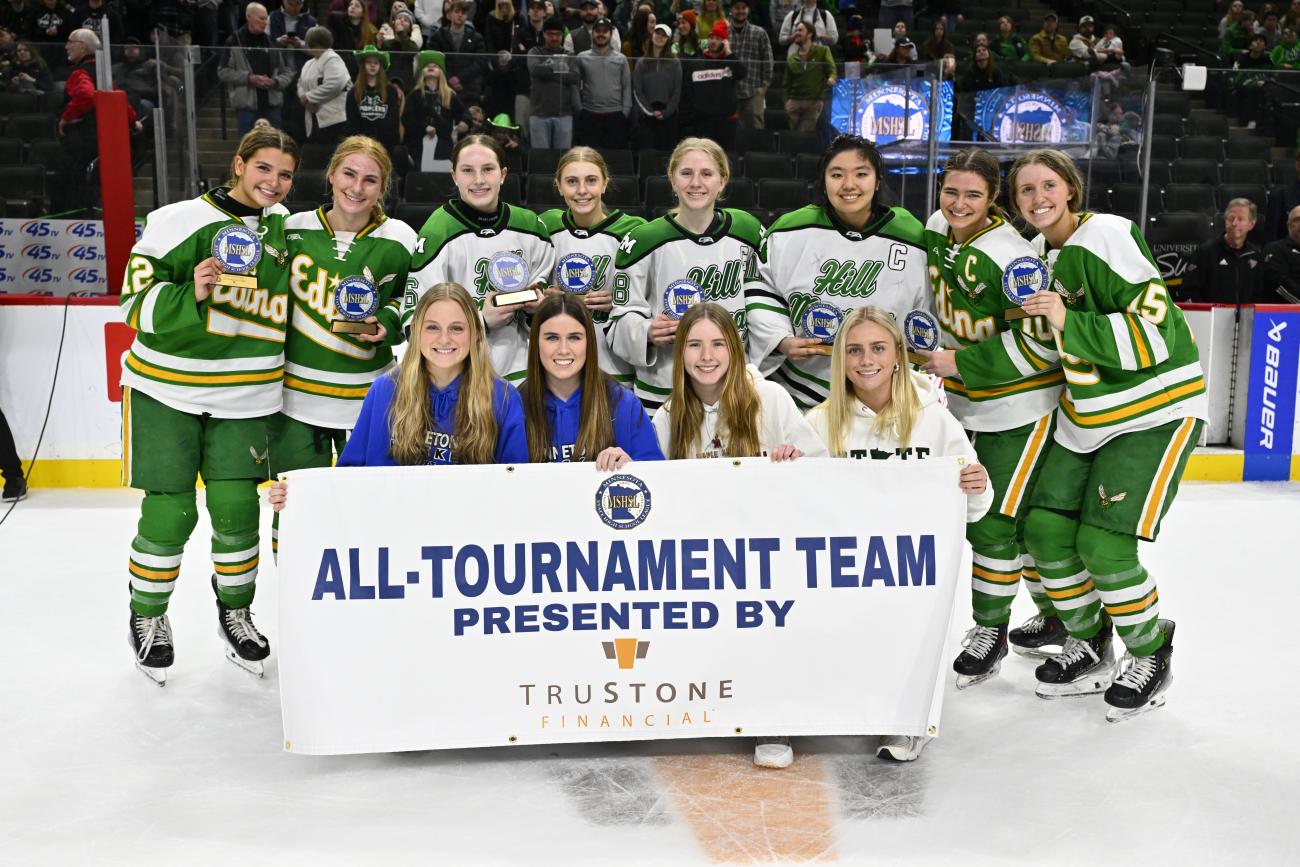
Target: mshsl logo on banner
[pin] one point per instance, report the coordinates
(553, 603)
(53, 257)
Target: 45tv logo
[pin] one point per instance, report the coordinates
(39, 274)
(86, 253)
(39, 253)
(87, 276)
(85, 229)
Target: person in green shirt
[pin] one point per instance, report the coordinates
(1009, 45)
(809, 72)
(1286, 54)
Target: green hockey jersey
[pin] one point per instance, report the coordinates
(327, 375)
(1129, 358)
(223, 356)
(662, 267)
(812, 271)
(454, 247)
(586, 256)
(1009, 372)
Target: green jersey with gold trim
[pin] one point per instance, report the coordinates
(457, 245)
(1009, 373)
(1129, 358)
(662, 267)
(327, 375)
(584, 261)
(223, 356)
(812, 271)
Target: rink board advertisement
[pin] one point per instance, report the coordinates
(553, 603)
(55, 257)
(1271, 393)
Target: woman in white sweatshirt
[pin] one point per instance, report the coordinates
(879, 409)
(719, 407)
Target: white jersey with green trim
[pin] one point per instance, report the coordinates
(1009, 372)
(586, 257)
(1128, 354)
(454, 246)
(223, 356)
(327, 375)
(812, 271)
(664, 268)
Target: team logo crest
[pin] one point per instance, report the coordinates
(892, 113)
(1109, 500)
(237, 249)
(1072, 299)
(1031, 116)
(822, 321)
(575, 273)
(680, 296)
(921, 330)
(1023, 277)
(356, 298)
(507, 271)
(623, 501)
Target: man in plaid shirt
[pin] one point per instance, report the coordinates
(751, 45)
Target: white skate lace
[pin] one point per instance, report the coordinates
(980, 641)
(1136, 671)
(241, 627)
(1075, 651)
(152, 630)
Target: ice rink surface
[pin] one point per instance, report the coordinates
(99, 766)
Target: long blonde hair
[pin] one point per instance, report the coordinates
(899, 416)
(739, 407)
(709, 148)
(366, 147)
(410, 418)
(596, 427)
(444, 89)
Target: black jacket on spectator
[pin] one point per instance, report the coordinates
(1281, 201)
(710, 85)
(1217, 274)
(971, 78)
(44, 81)
(88, 17)
(41, 18)
(424, 109)
(526, 39)
(14, 20)
(460, 62)
(1279, 280)
(139, 79)
(376, 118)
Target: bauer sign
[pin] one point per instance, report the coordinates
(554, 603)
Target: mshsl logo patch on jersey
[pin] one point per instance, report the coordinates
(1023, 277)
(623, 501)
(575, 272)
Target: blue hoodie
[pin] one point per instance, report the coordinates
(368, 446)
(633, 432)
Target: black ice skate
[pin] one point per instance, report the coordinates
(982, 658)
(245, 646)
(151, 639)
(1142, 680)
(1039, 636)
(1083, 668)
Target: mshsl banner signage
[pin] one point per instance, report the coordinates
(552, 603)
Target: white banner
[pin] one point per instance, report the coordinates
(485, 606)
(55, 257)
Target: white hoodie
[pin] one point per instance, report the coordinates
(781, 423)
(936, 434)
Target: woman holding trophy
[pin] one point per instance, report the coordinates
(500, 252)
(348, 265)
(205, 292)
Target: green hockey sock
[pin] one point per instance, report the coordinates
(1050, 536)
(1127, 590)
(166, 521)
(233, 507)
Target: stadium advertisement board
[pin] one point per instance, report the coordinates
(886, 109)
(1271, 393)
(53, 257)
(1035, 115)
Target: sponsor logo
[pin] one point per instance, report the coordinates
(86, 276)
(1031, 116)
(39, 274)
(86, 229)
(86, 253)
(626, 650)
(36, 229)
(623, 501)
(1272, 376)
(39, 252)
